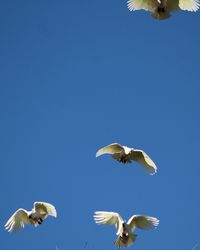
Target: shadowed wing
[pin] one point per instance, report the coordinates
(102, 217)
(110, 149)
(143, 222)
(142, 158)
(189, 5)
(172, 5)
(17, 221)
(45, 209)
(147, 5)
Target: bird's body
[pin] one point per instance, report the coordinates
(161, 3)
(161, 9)
(125, 154)
(35, 217)
(125, 235)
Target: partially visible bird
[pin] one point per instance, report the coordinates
(125, 154)
(125, 229)
(161, 9)
(36, 216)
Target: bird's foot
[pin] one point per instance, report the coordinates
(40, 221)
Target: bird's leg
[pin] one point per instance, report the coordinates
(124, 159)
(40, 220)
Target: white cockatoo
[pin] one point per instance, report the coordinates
(125, 229)
(161, 9)
(126, 155)
(36, 216)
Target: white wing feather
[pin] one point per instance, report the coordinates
(142, 5)
(102, 217)
(141, 157)
(143, 222)
(45, 209)
(110, 149)
(17, 221)
(189, 5)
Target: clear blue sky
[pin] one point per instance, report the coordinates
(78, 75)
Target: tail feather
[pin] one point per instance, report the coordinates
(120, 242)
(160, 16)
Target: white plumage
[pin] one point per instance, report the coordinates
(161, 9)
(125, 154)
(125, 230)
(36, 216)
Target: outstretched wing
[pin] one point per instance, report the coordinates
(189, 5)
(45, 209)
(110, 149)
(143, 222)
(102, 217)
(142, 158)
(17, 221)
(147, 5)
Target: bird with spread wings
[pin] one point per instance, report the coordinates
(22, 217)
(125, 154)
(125, 230)
(161, 9)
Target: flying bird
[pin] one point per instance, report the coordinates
(125, 154)
(160, 9)
(22, 217)
(125, 235)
